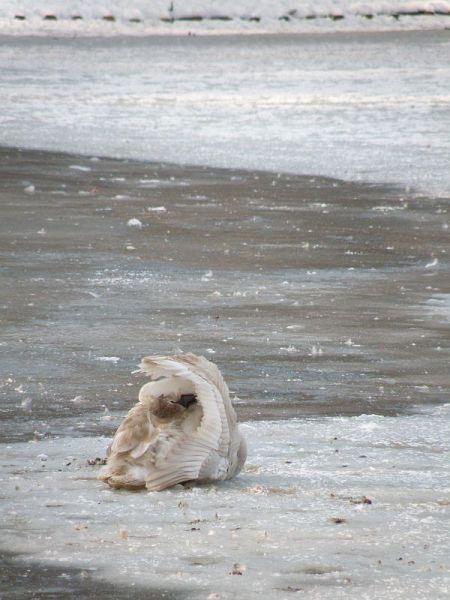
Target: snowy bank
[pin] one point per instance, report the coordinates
(141, 17)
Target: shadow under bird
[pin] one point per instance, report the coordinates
(183, 428)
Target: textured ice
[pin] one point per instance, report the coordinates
(335, 507)
(80, 168)
(439, 306)
(111, 359)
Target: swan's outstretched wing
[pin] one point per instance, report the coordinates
(180, 453)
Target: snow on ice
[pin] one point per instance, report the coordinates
(340, 507)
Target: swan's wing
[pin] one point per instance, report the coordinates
(135, 434)
(131, 441)
(181, 365)
(211, 372)
(180, 453)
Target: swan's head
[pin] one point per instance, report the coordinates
(165, 404)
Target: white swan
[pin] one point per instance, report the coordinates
(182, 429)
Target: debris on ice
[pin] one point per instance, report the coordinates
(134, 223)
(433, 263)
(111, 359)
(80, 168)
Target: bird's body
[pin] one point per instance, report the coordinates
(182, 429)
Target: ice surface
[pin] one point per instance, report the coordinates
(353, 106)
(334, 507)
(439, 305)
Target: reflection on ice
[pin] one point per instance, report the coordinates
(335, 507)
(439, 306)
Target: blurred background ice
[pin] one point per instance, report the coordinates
(357, 106)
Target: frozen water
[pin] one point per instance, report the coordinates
(372, 107)
(333, 508)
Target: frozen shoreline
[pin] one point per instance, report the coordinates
(332, 508)
(137, 17)
(116, 28)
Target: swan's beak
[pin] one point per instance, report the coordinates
(187, 400)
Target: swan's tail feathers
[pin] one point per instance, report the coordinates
(120, 475)
(124, 483)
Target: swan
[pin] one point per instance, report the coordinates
(183, 428)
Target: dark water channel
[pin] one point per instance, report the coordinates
(314, 296)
